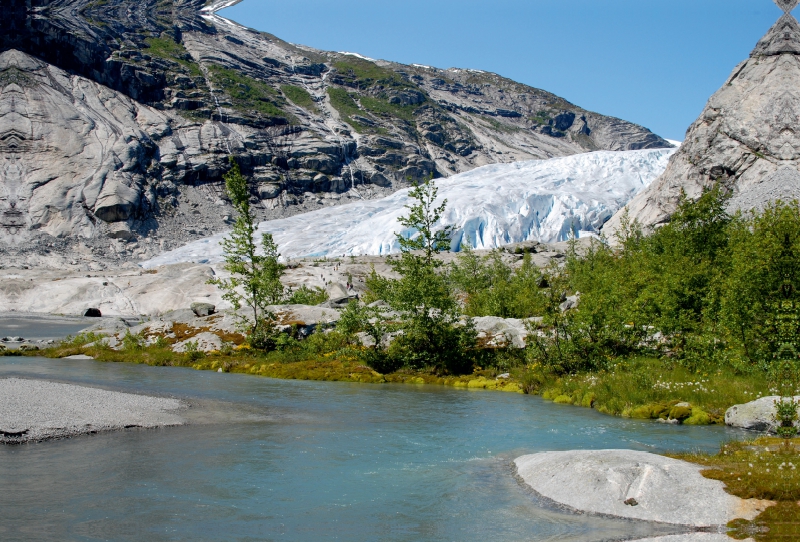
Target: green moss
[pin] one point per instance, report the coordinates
(650, 411)
(698, 417)
(299, 96)
(680, 413)
(563, 400)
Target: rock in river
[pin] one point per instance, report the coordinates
(665, 490)
(758, 415)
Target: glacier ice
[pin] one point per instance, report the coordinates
(491, 206)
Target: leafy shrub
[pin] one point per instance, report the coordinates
(308, 296)
(133, 342)
(192, 352)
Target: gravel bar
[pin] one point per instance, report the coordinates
(36, 410)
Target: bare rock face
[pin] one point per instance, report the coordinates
(117, 119)
(746, 139)
(73, 155)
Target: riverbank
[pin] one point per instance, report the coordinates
(640, 388)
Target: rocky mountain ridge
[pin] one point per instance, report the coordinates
(746, 139)
(117, 119)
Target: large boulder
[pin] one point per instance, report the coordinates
(203, 309)
(758, 415)
(634, 485)
(501, 332)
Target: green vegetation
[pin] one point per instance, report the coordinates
(765, 468)
(542, 117)
(490, 287)
(300, 96)
(346, 105)
(646, 388)
(255, 279)
(364, 75)
(423, 296)
(383, 107)
(327, 356)
(248, 94)
(168, 49)
(368, 74)
(308, 296)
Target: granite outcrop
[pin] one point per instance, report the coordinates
(746, 140)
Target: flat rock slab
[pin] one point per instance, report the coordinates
(665, 490)
(34, 410)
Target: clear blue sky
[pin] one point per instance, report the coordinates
(653, 62)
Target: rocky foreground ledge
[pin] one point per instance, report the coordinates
(636, 485)
(36, 410)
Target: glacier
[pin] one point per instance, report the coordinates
(491, 206)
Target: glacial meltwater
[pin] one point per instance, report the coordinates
(269, 459)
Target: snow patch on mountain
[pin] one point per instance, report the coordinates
(491, 206)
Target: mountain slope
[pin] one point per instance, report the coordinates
(178, 89)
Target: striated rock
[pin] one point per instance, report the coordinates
(746, 138)
(665, 490)
(122, 292)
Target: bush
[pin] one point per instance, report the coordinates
(307, 296)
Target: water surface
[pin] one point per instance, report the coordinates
(287, 460)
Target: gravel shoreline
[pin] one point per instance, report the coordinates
(37, 410)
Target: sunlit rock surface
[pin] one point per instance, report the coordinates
(746, 138)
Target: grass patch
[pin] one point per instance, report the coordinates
(765, 468)
(299, 96)
(381, 107)
(345, 104)
(170, 50)
(647, 388)
(322, 356)
(308, 296)
(246, 93)
(368, 74)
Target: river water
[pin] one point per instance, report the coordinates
(286, 460)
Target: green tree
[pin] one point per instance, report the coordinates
(431, 335)
(255, 275)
